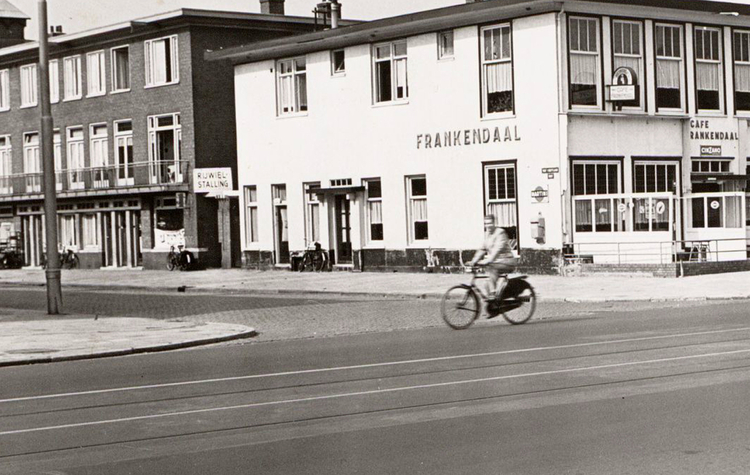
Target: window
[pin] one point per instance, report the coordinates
(445, 44)
(742, 70)
(500, 195)
(747, 196)
(627, 51)
(716, 212)
(6, 164)
(655, 177)
(72, 78)
(670, 80)
(120, 69)
(374, 210)
(57, 154)
(68, 235)
(96, 76)
(251, 215)
(4, 90)
(341, 182)
(312, 214)
(124, 151)
(74, 139)
(596, 177)
(89, 231)
(391, 81)
(710, 166)
(161, 61)
(585, 64)
(709, 79)
(28, 85)
(338, 62)
(497, 70)
(416, 192)
(99, 159)
(31, 162)
(54, 81)
(165, 145)
(292, 85)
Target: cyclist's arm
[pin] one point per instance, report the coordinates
(477, 257)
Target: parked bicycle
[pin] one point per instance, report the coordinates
(314, 259)
(68, 259)
(179, 258)
(462, 304)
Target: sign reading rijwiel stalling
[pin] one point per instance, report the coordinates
(712, 137)
(467, 137)
(212, 180)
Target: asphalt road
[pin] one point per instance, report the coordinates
(653, 391)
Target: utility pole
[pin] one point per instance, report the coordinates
(54, 291)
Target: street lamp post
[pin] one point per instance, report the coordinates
(54, 292)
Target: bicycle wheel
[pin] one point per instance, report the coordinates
(460, 307)
(525, 304)
(171, 264)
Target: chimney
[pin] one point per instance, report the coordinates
(55, 30)
(335, 13)
(327, 12)
(273, 7)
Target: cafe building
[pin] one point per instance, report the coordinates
(597, 132)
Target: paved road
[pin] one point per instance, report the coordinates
(653, 391)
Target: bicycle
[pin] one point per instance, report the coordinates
(460, 305)
(181, 259)
(314, 259)
(68, 259)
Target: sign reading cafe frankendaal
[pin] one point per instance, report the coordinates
(467, 137)
(712, 137)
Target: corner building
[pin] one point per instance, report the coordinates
(136, 109)
(610, 132)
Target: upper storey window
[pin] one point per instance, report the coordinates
(28, 85)
(585, 62)
(670, 79)
(627, 51)
(95, 74)
(120, 69)
(72, 86)
(291, 76)
(497, 70)
(742, 70)
(4, 90)
(709, 79)
(391, 80)
(162, 66)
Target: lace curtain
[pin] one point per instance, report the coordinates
(583, 68)
(499, 77)
(742, 77)
(707, 76)
(505, 213)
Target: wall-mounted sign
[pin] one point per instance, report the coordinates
(624, 85)
(466, 137)
(550, 170)
(715, 204)
(540, 194)
(710, 150)
(212, 180)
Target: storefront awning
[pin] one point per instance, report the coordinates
(336, 190)
(716, 177)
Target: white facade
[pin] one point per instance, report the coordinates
(336, 133)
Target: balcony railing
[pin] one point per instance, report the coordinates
(168, 172)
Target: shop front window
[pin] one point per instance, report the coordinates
(169, 228)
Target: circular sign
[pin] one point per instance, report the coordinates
(622, 207)
(660, 207)
(624, 76)
(715, 205)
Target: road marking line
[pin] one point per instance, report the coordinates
(367, 393)
(362, 366)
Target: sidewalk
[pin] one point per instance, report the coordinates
(31, 337)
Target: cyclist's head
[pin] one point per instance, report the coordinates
(489, 222)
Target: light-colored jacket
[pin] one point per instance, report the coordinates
(496, 246)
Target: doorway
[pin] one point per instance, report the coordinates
(343, 230)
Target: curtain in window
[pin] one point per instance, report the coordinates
(505, 213)
(668, 74)
(733, 211)
(742, 77)
(376, 212)
(90, 236)
(583, 68)
(707, 76)
(159, 61)
(285, 93)
(302, 91)
(603, 214)
(122, 70)
(583, 213)
(628, 62)
(419, 210)
(401, 84)
(499, 77)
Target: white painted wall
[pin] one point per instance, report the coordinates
(345, 136)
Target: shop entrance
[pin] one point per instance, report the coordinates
(122, 239)
(343, 230)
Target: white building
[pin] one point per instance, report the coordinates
(388, 141)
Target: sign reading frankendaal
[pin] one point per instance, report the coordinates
(208, 180)
(712, 137)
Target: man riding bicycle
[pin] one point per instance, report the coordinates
(498, 256)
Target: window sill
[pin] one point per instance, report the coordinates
(379, 105)
(97, 94)
(253, 248)
(710, 114)
(292, 116)
(338, 75)
(374, 247)
(118, 91)
(498, 116)
(70, 99)
(5, 109)
(419, 245)
(446, 59)
(27, 106)
(152, 86)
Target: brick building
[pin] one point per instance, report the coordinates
(136, 109)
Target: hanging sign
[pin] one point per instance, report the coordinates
(624, 85)
(540, 194)
(212, 180)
